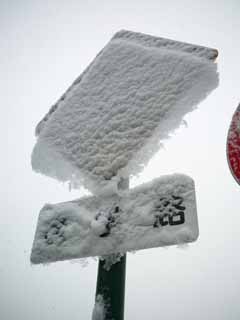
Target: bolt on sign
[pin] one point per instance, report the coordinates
(233, 145)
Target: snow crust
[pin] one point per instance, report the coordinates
(142, 220)
(112, 119)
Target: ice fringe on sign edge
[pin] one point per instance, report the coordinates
(196, 78)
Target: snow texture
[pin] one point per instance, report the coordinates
(159, 213)
(112, 119)
(99, 309)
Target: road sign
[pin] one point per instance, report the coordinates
(105, 127)
(160, 213)
(110, 121)
(233, 145)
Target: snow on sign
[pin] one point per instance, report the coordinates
(159, 213)
(233, 145)
(104, 129)
(111, 120)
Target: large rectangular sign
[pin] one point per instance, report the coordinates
(160, 213)
(133, 95)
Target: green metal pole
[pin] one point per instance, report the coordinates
(111, 286)
(111, 283)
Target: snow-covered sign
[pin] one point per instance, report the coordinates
(113, 118)
(159, 213)
(233, 145)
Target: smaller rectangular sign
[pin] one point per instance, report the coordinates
(160, 213)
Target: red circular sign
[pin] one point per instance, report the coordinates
(233, 145)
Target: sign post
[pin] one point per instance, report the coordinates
(111, 286)
(111, 282)
(105, 127)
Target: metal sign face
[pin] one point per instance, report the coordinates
(233, 145)
(160, 213)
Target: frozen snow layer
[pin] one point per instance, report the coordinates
(159, 213)
(112, 119)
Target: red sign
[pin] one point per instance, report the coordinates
(233, 145)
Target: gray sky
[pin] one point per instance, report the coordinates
(44, 47)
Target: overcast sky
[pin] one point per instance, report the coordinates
(45, 45)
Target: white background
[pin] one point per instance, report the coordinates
(45, 45)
